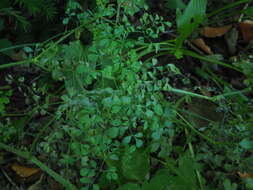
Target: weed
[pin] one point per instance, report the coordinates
(109, 111)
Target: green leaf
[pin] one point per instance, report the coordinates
(4, 100)
(81, 68)
(139, 143)
(192, 16)
(114, 157)
(95, 187)
(107, 72)
(175, 4)
(85, 180)
(93, 58)
(249, 183)
(158, 109)
(139, 135)
(228, 186)
(149, 113)
(113, 132)
(157, 134)
(187, 167)
(246, 144)
(67, 159)
(28, 49)
(132, 6)
(127, 140)
(84, 171)
(129, 186)
(161, 181)
(135, 165)
(174, 69)
(126, 99)
(186, 177)
(249, 11)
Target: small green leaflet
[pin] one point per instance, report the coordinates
(246, 144)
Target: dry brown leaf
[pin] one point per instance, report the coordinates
(245, 175)
(246, 28)
(23, 171)
(213, 32)
(200, 43)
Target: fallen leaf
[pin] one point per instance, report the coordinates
(245, 175)
(246, 28)
(23, 171)
(213, 32)
(200, 43)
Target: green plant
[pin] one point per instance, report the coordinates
(118, 116)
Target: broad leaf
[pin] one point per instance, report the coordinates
(129, 186)
(135, 166)
(189, 20)
(246, 144)
(161, 181)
